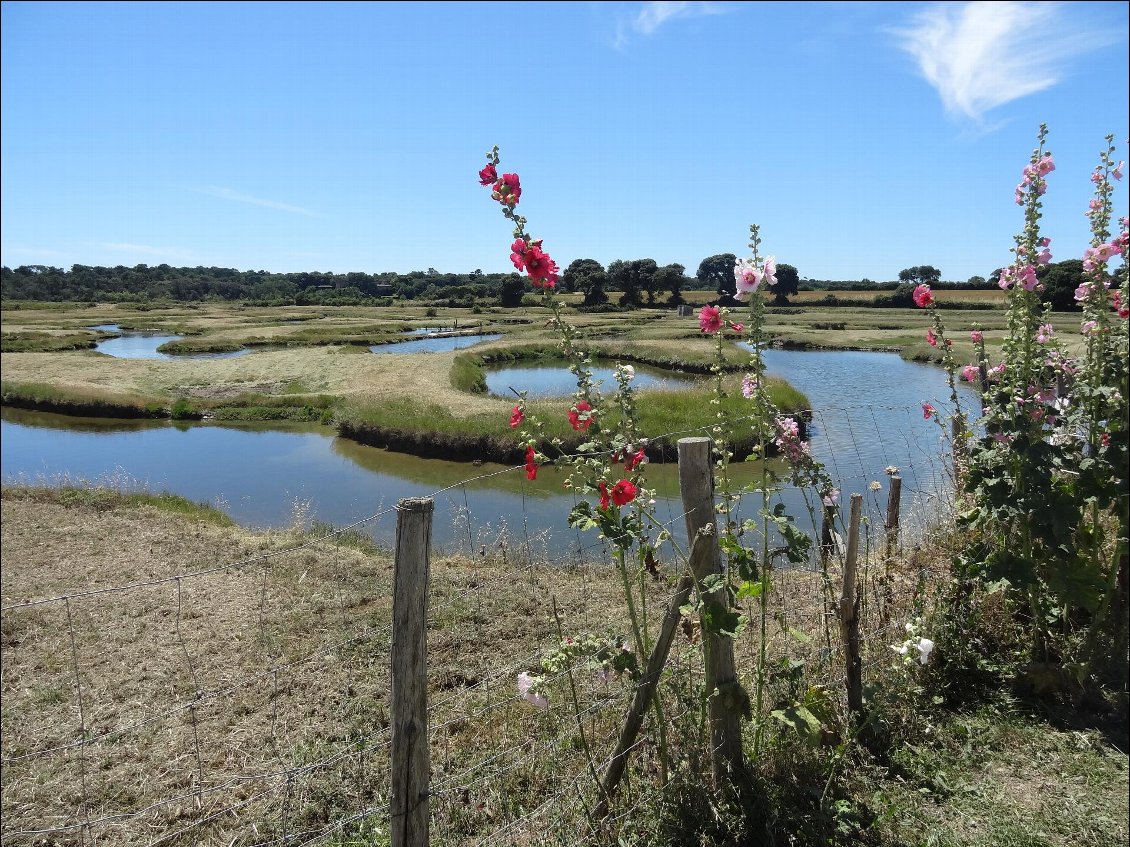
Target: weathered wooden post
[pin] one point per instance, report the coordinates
(894, 504)
(728, 700)
(849, 611)
(410, 813)
(830, 541)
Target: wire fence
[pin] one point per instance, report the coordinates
(173, 690)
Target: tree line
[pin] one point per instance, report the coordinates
(624, 283)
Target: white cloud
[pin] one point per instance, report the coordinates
(981, 55)
(651, 16)
(229, 194)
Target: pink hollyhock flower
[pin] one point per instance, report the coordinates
(1044, 242)
(710, 318)
(528, 693)
(928, 411)
(488, 175)
(923, 297)
(976, 336)
(1027, 277)
(770, 270)
(1088, 327)
(1045, 166)
(605, 499)
(970, 373)
(1044, 257)
(531, 464)
(1044, 333)
(747, 277)
(516, 417)
(623, 492)
(580, 416)
(931, 339)
(1117, 172)
(737, 327)
(1006, 279)
(507, 190)
(750, 384)
(1082, 292)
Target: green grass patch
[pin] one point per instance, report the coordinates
(43, 397)
(44, 342)
(104, 499)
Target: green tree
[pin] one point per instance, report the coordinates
(672, 278)
(511, 291)
(633, 278)
(1060, 280)
(718, 273)
(588, 277)
(788, 283)
(920, 274)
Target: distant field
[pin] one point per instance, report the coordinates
(811, 297)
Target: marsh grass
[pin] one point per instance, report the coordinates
(291, 654)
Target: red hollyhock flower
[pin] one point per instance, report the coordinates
(540, 267)
(508, 190)
(531, 465)
(516, 417)
(575, 419)
(605, 500)
(518, 253)
(635, 460)
(488, 175)
(623, 492)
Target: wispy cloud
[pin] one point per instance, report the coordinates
(981, 55)
(144, 249)
(651, 16)
(239, 197)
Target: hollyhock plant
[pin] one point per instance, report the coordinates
(516, 417)
(528, 691)
(923, 296)
(931, 338)
(488, 175)
(531, 464)
(928, 411)
(970, 373)
(976, 336)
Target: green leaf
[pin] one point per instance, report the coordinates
(750, 590)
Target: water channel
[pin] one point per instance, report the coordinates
(868, 415)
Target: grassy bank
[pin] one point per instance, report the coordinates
(234, 689)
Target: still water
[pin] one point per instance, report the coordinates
(143, 345)
(867, 416)
(435, 345)
(542, 380)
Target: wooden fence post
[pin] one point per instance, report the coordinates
(411, 766)
(894, 504)
(849, 611)
(728, 700)
(830, 541)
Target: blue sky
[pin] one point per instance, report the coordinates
(862, 137)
